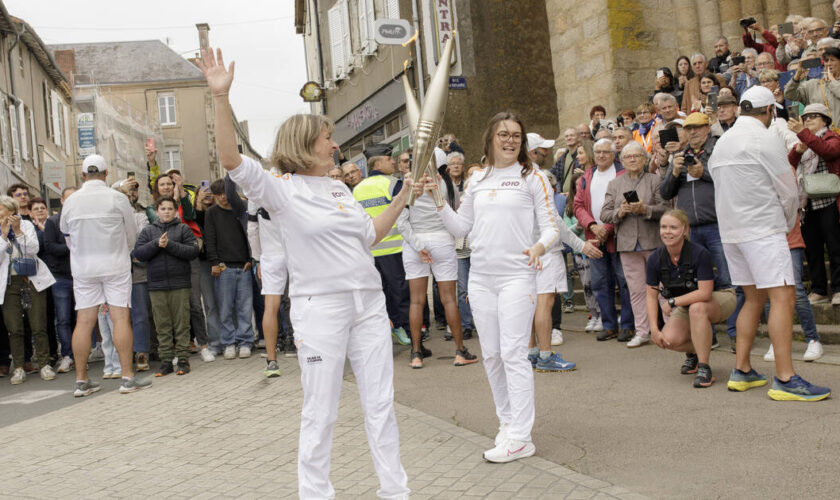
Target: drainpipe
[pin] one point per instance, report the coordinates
(419, 70)
(320, 54)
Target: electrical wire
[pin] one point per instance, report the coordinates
(148, 28)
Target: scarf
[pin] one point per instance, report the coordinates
(645, 127)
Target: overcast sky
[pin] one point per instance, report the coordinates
(258, 34)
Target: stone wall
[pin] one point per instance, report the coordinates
(607, 51)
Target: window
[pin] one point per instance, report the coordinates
(13, 116)
(166, 107)
(35, 158)
(48, 121)
(341, 50)
(367, 32)
(392, 9)
(171, 158)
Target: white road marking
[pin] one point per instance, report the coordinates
(27, 398)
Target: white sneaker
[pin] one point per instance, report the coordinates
(509, 451)
(770, 356)
(244, 352)
(230, 352)
(556, 337)
(501, 437)
(814, 351)
(175, 361)
(261, 344)
(96, 354)
(590, 325)
(638, 340)
(47, 373)
(65, 365)
(206, 355)
(598, 325)
(18, 376)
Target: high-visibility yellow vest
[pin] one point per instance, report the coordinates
(374, 194)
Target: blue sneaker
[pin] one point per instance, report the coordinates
(533, 358)
(555, 363)
(400, 336)
(742, 381)
(797, 389)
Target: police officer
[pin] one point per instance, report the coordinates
(375, 194)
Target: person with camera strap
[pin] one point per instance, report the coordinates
(682, 273)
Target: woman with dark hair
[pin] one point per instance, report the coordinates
(683, 71)
(502, 209)
(164, 185)
(665, 82)
(707, 81)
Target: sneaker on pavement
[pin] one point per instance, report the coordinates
(556, 337)
(770, 355)
(183, 367)
(142, 361)
(638, 340)
(554, 363)
(400, 336)
(625, 335)
(704, 376)
(244, 351)
(165, 369)
(690, 364)
(598, 325)
(18, 376)
(569, 307)
(590, 325)
(814, 351)
(797, 389)
(606, 335)
(509, 451)
(271, 370)
(835, 299)
(501, 436)
(416, 361)
(291, 347)
(111, 375)
(96, 354)
(130, 385)
(447, 335)
(206, 355)
(740, 381)
(85, 388)
(230, 352)
(65, 365)
(465, 357)
(816, 298)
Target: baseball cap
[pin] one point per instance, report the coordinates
(756, 97)
(677, 122)
(94, 164)
(696, 120)
(537, 141)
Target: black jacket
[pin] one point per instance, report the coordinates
(56, 253)
(168, 268)
(696, 198)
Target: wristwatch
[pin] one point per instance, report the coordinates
(672, 302)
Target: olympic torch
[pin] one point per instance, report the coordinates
(430, 121)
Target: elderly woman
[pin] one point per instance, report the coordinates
(634, 205)
(23, 279)
(643, 131)
(769, 78)
(455, 169)
(819, 151)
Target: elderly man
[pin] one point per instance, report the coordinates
(606, 271)
(667, 106)
(814, 29)
(583, 132)
(352, 174)
(721, 61)
(726, 115)
(336, 174)
(565, 164)
(743, 76)
(538, 148)
(823, 91)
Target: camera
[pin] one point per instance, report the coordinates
(747, 22)
(690, 159)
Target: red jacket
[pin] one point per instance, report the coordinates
(769, 47)
(827, 148)
(583, 207)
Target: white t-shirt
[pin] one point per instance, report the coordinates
(101, 231)
(598, 190)
(326, 233)
(499, 211)
(264, 235)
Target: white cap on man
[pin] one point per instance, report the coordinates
(94, 164)
(757, 97)
(537, 141)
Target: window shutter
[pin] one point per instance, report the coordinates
(24, 147)
(392, 9)
(364, 35)
(66, 129)
(56, 117)
(345, 34)
(4, 128)
(35, 160)
(336, 42)
(371, 28)
(15, 137)
(47, 110)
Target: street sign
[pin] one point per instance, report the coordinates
(392, 31)
(457, 83)
(87, 137)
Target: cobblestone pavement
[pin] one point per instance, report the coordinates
(224, 431)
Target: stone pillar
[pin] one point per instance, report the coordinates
(800, 7)
(823, 10)
(776, 12)
(688, 35)
(730, 13)
(753, 8)
(708, 18)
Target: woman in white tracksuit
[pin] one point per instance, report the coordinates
(338, 308)
(499, 211)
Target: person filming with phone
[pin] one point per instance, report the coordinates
(825, 90)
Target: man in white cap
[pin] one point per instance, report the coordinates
(538, 148)
(757, 200)
(101, 230)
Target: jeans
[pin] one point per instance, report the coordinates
(106, 329)
(140, 310)
(208, 298)
(803, 305)
(463, 305)
(708, 236)
(233, 297)
(62, 292)
(606, 272)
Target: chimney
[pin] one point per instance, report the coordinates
(203, 35)
(66, 61)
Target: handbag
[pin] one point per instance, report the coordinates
(23, 265)
(821, 185)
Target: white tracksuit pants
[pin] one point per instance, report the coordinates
(503, 310)
(329, 328)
